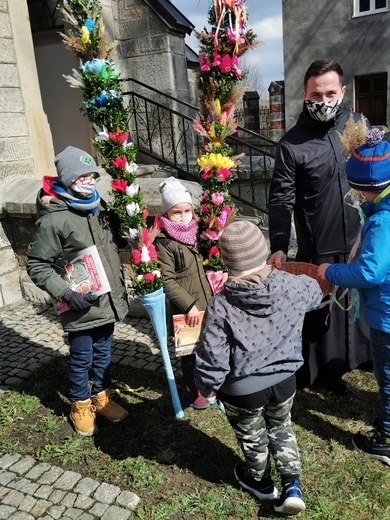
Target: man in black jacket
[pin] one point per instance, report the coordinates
(309, 180)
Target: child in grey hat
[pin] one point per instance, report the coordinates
(71, 218)
(249, 352)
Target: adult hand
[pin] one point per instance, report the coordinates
(192, 317)
(78, 301)
(277, 259)
(321, 271)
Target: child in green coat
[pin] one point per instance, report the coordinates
(185, 282)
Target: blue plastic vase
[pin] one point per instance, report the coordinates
(154, 303)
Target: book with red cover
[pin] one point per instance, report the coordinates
(83, 272)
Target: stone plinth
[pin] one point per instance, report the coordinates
(18, 211)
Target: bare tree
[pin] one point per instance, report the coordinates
(254, 79)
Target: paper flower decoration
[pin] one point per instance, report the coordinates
(220, 75)
(104, 106)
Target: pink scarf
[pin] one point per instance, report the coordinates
(184, 233)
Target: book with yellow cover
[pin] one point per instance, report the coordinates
(186, 338)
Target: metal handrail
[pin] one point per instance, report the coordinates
(162, 127)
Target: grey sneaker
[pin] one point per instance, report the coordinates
(263, 489)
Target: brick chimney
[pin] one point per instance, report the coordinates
(276, 104)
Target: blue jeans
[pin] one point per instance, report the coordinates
(380, 347)
(89, 349)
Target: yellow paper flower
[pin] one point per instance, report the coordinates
(215, 160)
(212, 131)
(85, 35)
(218, 105)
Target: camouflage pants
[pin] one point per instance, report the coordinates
(262, 432)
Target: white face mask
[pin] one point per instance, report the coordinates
(324, 110)
(87, 190)
(182, 220)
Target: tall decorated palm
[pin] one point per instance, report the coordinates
(219, 86)
(104, 106)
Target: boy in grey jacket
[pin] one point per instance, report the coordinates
(71, 218)
(249, 352)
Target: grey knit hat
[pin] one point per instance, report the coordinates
(243, 246)
(71, 163)
(173, 192)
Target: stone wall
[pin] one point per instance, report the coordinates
(148, 50)
(16, 156)
(25, 138)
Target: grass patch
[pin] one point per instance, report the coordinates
(183, 469)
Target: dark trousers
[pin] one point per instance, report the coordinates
(380, 345)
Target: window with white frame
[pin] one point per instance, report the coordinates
(365, 7)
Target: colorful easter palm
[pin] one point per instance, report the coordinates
(219, 81)
(105, 108)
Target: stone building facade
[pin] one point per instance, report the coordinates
(355, 34)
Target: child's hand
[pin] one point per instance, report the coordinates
(78, 301)
(321, 271)
(192, 317)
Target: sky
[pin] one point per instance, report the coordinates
(264, 18)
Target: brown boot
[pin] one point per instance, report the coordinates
(112, 411)
(82, 415)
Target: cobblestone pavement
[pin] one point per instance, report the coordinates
(30, 336)
(30, 490)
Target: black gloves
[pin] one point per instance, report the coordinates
(78, 301)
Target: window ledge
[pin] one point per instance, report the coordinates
(369, 13)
